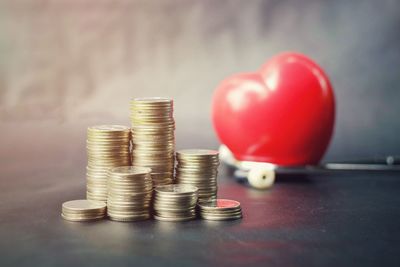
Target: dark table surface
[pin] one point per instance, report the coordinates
(323, 219)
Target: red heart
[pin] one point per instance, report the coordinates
(282, 114)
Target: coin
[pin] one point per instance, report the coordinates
(153, 136)
(219, 218)
(83, 205)
(130, 171)
(220, 204)
(109, 129)
(175, 202)
(129, 218)
(198, 167)
(220, 209)
(174, 219)
(218, 214)
(129, 193)
(81, 219)
(178, 190)
(83, 210)
(195, 153)
(107, 146)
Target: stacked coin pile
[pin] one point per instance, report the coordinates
(198, 167)
(175, 202)
(83, 210)
(153, 137)
(107, 146)
(220, 210)
(129, 193)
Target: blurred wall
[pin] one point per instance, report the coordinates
(66, 64)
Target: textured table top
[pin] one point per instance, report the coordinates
(324, 219)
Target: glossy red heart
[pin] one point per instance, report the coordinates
(282, 114)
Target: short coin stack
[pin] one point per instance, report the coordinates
(83, 210)
(198, 167)
(129, 193)
(107, 146)
(153, 139)
(175, 202)
(220, 210)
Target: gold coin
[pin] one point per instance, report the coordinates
(102, 186)
(83, 205)
(128, 211)
(83, 210)
(176, 189)
(174, 219)
(82, 219)
(152, 100)
(221, 214)
(83, 215)
(105, 139)
(108, 128)
(220, 204)
(97, 149)
(153, 130)
(174, 213)
(96, 197)
(219, 218)
(131, 170)
(173, 204)
(165, 208)
(200, 175)
(198, 163)
(129, 198)
(129, 192)
(194, 153)
(200, 186)
(128, 182)
(131, 218)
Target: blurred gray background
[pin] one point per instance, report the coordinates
(68, 64)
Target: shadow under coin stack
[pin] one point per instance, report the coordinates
(108, 146)
(153, 139)
(198, 167)
(129, 193)
(175, 203)
(220, 210)
(83, 210)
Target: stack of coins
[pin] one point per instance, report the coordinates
(175, 202)
(83, 210)
(107, 146)
(220, 210)
(129, 193)
(153, 139)
(198, 167)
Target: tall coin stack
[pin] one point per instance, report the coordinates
(198, 167)
(153, 139)
(175, 202)
(129, 193)
(107, 146)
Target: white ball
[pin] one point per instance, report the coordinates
(261, 177)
